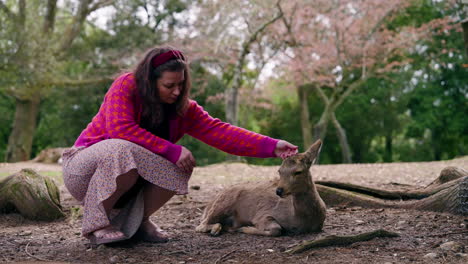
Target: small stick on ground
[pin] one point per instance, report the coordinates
(340, 240)
(223, 256)
(31, 255)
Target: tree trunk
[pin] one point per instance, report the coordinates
(306, 126)
(232, 104)
(24, 126)
(448, 193)
(343, 139)
(32, 195)
(388, 156)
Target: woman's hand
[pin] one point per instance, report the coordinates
(285, 149)
(186, 161)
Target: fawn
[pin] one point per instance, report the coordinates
(290, 204)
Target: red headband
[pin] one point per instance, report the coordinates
(167, 56)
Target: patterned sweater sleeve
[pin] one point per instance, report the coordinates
(121, 121)
(226, 137)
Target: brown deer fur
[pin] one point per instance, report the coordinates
(290, 204)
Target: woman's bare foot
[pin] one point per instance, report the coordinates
(151, 232)
(106, 235)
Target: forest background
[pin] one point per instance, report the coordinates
(378, 81)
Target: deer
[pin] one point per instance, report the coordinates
(289, 204)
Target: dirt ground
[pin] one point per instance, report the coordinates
(421, 233)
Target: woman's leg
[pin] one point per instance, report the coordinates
(155, 197)
(124, 182)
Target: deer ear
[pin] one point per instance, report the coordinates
(313, 152)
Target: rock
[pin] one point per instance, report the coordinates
(101, 247)
(25, 233)
(114, 259)
(431, 256)
(461, 255)
(452, 246)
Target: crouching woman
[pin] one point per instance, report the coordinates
(129, 150)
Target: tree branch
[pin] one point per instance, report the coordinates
(75, 25)
(347, 92)
(100, 4)
(340, 240)
(231, 92)
(69, 82)
(288, 26)
(259, 30)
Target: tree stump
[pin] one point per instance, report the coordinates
(448, 193)
(34, 196)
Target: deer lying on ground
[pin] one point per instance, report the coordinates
(288, 205)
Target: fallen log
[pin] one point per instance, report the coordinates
(50, 155)
(32, 195)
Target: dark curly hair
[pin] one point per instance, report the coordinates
(146, 76)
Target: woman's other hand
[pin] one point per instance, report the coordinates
(285, 149)
(186, 161)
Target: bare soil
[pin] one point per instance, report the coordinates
(421, 233)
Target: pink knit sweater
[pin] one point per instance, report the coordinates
(120, 113)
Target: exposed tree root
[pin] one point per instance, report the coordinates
(448, 193)
(340, 240)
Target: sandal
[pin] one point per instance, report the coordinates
(95, 240)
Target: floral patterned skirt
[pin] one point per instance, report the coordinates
(90, 175)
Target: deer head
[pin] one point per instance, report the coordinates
(294, 172)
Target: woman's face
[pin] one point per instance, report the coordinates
(170, 86)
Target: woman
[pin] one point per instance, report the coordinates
(130, 144)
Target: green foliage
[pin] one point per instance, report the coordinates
(418, 13)
(66, 112)
(438, 103)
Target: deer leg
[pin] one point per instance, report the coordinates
(266, 227)
(214, 215)
(214, 229)
(211, 221)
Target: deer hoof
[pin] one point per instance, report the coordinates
(216, 229)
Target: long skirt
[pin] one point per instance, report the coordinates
(90, 176)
